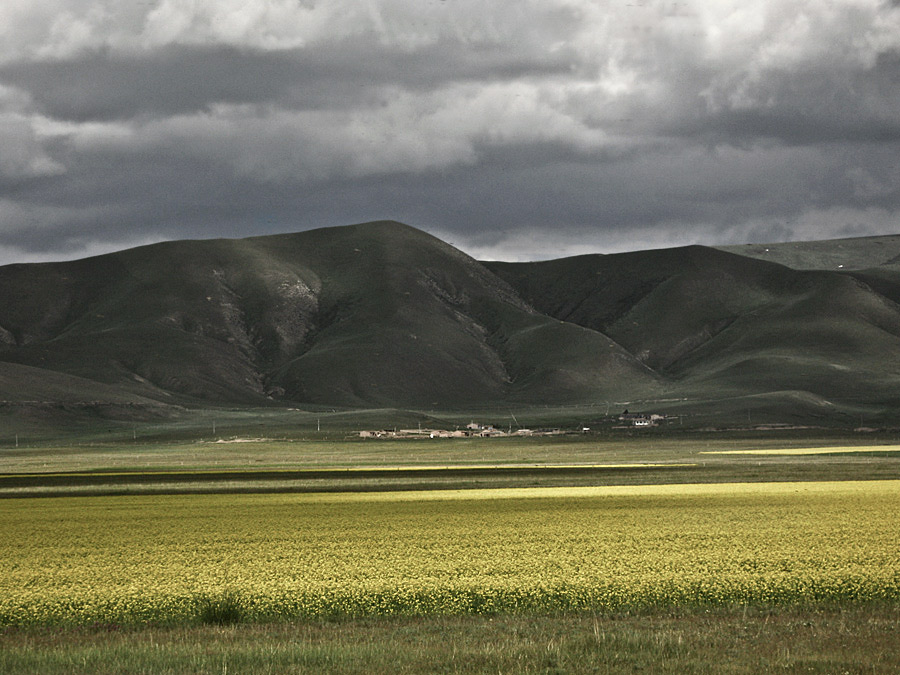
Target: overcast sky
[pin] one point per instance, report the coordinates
(515, 129)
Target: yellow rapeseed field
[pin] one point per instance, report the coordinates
(186, 557)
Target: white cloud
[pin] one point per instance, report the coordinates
(751, 44)
(59, 28)
(262, 24)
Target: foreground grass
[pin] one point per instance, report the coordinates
(859, 639)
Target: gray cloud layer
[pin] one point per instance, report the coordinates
(516, 130)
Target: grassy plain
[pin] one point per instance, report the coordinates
(620, 575)
(336, 461)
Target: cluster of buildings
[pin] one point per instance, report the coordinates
(471, 430)
(641, 419)
(474, 429)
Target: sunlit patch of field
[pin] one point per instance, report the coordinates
(809, 451)
(189, 558)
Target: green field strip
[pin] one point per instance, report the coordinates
(347, 470)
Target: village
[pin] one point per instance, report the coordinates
(477, 430)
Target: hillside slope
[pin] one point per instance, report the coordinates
(855, 253)
(718, 325)
(378, 314)
(381, 315)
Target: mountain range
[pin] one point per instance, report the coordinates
(382, 315)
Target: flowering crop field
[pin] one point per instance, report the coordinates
(187, 558)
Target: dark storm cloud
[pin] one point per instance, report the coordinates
(514, 129)
(184, 79)
(103, 86)
(808, 107)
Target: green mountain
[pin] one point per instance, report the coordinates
(857, 253)
(381, 315)
(718, 326)
(378, 315)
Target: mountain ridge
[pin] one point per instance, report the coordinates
(383, 315)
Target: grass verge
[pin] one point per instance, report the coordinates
(855, 639)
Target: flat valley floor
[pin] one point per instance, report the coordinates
(688, 555)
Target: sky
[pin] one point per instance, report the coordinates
(513, 129)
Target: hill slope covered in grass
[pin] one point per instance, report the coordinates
(716, 325)
(855, 253)
(379, 314)
(383, 315)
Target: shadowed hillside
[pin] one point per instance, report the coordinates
(378, 314)
(381, 315)
(716, 325)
